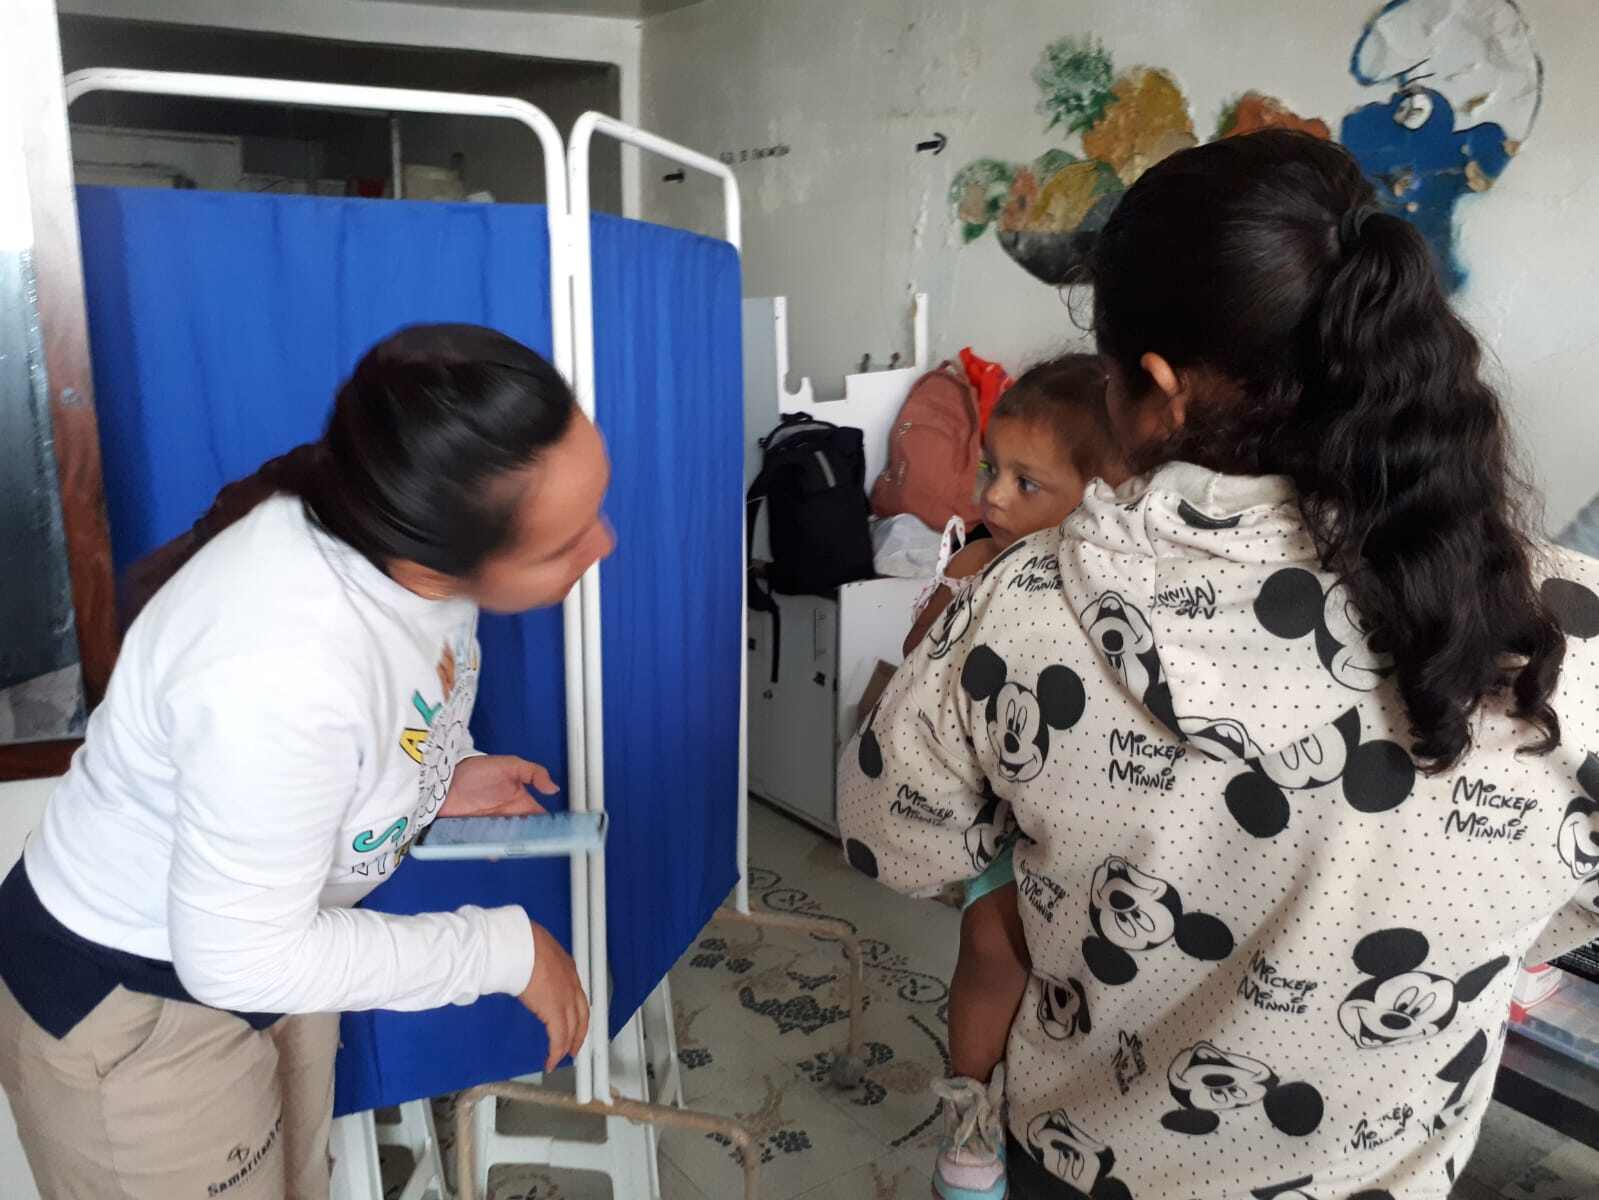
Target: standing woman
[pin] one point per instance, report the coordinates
(289, 711)
(1298, 729)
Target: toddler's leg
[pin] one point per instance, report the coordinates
(990, 980)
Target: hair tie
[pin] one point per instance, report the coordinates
(1351, 224)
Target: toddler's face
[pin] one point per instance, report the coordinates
(1026, 481)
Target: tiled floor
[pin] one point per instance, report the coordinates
(760, 1014)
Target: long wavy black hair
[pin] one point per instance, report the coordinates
(1327, 352)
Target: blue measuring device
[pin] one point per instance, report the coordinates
(537, 835)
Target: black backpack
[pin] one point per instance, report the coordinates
(813, 480)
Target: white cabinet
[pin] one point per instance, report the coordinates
(792, 716)
(874, 617)
(829, 646)
(800, 721)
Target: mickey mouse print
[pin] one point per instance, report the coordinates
(1263, 960)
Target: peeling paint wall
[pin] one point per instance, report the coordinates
(852, 219)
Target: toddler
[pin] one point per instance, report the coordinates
(1048, 437)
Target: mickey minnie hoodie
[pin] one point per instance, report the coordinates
(1270, 955)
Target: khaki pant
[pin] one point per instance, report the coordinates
(151, 1099)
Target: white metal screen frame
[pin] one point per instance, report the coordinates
(393, 100)
(581, 227)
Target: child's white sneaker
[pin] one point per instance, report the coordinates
(971, 1155)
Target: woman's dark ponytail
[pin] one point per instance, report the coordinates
(1415, 495)
(292, 474)
(430, 420)
(1336, 360)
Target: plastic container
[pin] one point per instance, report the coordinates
(1560, 1012)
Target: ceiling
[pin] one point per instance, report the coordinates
(587, 8)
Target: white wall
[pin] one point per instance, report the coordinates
(853, 220)
(577, 38)
(21, 805)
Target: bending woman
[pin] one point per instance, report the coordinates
(1297, 728)
(289, 711)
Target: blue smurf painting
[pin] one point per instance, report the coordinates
(1464, 83)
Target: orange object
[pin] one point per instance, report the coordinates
(989, 380)
(1254, 111)
(933, 451)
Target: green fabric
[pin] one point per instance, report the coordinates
(995, 876)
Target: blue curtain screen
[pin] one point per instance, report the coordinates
(221, 326)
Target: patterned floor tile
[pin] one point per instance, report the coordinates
(1570, 1173)
(713, 1063)
(905, 1053)
(802, 1140)
(1509, 1146)
(902, 1176)
(542, 1183)
(675, 1185)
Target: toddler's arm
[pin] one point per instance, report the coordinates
(972, 559)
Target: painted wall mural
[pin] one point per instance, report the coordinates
(1461, 83)
(1464, 83)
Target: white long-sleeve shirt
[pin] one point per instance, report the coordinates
(282, 722)
(1270, 955)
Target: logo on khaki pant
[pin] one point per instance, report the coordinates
(245, 1160)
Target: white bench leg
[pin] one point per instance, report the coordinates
(354, 1147)
(635, 1154)
(628, 1155)
(660, 1041)
(416, 1135)
(488, 1143)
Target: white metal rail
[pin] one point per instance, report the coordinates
(580, 226)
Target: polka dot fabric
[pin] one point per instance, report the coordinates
(1270, 955)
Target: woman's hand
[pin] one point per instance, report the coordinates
(496, 785)
(555, 997)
